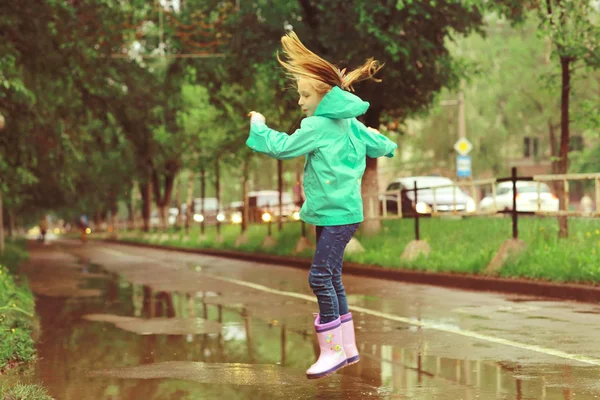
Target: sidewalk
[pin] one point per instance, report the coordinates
(527, 287)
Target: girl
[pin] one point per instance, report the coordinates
(335, 144)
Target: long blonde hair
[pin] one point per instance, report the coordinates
(301, 62)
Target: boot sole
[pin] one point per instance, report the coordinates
(328, 373)
(352, 361)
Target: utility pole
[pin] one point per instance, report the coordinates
(460, 103)
(462, 128)
(462, 146)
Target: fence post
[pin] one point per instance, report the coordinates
(417, 247)
(515, 229)
(417, 236)
(269, 241)
(269, 226)
(512, 246)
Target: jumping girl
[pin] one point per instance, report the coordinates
(335, 144)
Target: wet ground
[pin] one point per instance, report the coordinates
(122, 322)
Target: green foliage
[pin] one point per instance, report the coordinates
(53, 77)
(513, 93)
(573, 28)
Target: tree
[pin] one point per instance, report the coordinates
(49, 70)
(409, 37)
(574, 31)
(509, 95)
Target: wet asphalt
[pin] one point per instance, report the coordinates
(122, 322)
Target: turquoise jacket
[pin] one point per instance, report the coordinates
(335, 144)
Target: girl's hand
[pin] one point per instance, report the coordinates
(373, 130)
(256, 117)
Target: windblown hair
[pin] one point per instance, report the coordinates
(301, 62)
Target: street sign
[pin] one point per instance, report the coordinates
(463, 146)
(463, 166)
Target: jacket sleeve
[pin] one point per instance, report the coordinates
(377, 144)
(281, 145)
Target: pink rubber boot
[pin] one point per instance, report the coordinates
(350, 348)
(332, 355)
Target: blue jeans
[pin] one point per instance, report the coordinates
(325, 277)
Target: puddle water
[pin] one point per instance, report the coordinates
(132, 342)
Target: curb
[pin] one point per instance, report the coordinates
(519, 286)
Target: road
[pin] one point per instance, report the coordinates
(123, 322)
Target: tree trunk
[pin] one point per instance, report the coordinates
(202, 197)
(218, 193)
(280, 189)
(114, 214)
(97, 220)
(246, 211)
(370, 183)
(1, 225)
(163, 202)
(146, 194)
(553, 149)
(162, 218)
(11, 224)
(179, 189)
(131, 209)
(565, 63)
(189, 211)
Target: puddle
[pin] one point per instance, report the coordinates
(215, 341)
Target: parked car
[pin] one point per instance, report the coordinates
(447, 198)
(264, 205)
(171, 217)
(235, 212)
(212, 212)
(527, 197)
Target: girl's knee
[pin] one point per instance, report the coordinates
(319, 278)
(339, 288)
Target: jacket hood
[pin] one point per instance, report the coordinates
(339, 104)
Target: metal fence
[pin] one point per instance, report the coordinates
(376, 206)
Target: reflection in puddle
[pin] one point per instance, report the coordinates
(158, 326)
(217, 373)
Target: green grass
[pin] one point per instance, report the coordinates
(23, 392)
(14, 253)
(16, 309)
(17, 323)
(457, 245)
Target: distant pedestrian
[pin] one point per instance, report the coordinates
(83, 225)
(43, 228)
(336, 145)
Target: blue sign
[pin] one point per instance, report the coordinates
(463, 166)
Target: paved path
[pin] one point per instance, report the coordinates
(121, 322)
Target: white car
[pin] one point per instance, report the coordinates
(527, 198)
